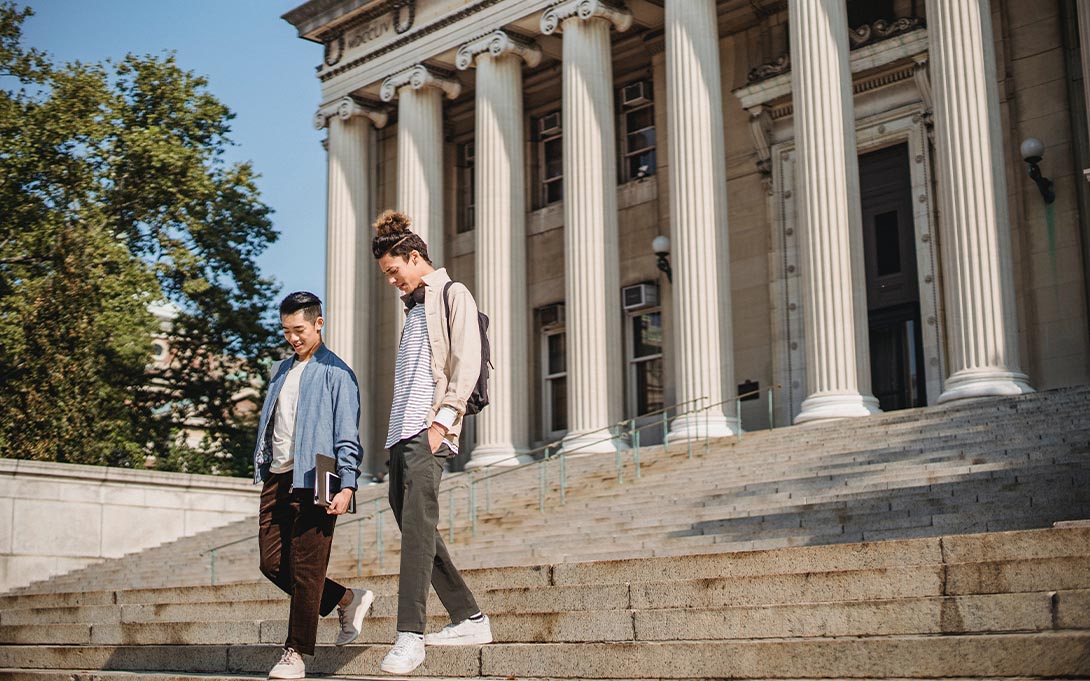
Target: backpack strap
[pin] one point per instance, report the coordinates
(446, 304)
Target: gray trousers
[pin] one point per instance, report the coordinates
(414, 497)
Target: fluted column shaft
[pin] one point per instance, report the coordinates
(420, 163)
(981, 327)
(829, 215)
(348, 269)
(503, 428)
(698, 220)
(591, 268)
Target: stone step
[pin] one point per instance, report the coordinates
(78, 675)
(1041, 654)
(1011, 546)
(933, 615)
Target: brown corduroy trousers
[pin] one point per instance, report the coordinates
(295, 536)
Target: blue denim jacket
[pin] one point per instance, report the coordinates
(326, 420)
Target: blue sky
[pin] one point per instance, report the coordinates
(257, 66)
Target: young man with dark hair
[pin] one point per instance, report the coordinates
(312, 408)
(438, 363)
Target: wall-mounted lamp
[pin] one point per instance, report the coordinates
(1033, 150)
(661, 246)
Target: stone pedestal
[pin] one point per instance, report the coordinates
(698, 219)
(830, 220)
(982, 329)
(502, 428)
(349, 268)
(419, 92)
(591, 267)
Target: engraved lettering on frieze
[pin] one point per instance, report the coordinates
(369, 32)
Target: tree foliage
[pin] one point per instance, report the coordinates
(115, 194)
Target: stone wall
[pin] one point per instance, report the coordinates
(55, 518)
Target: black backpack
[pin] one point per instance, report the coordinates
(479, 399)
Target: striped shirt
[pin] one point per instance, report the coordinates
(414, 385)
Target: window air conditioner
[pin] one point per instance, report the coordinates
(551, 315)
(640, 296)
(635, 94)
(549, 124)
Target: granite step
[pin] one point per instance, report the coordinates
(1042, 654)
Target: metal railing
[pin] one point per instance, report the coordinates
(624, 436)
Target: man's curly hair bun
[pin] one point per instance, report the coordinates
(394, 236)
(392, 223)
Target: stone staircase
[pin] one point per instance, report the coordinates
(897, 546)
(973, 466)
(1014, 604)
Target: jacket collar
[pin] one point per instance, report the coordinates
(437, 278)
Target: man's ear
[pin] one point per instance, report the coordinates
(319, 323)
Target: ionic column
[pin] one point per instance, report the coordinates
(830, 218)
(503, 429)
(348, 238)
(698, 220)
(419, 93)
(591, 268)
(982, 327)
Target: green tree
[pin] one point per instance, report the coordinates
(114, 194)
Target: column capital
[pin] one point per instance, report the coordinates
(418, 77)
(498, 43)
(615, 12)
(346, 108)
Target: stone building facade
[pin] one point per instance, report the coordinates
(850, 221)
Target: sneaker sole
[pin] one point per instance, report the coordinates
(460, 641)
(400, 671)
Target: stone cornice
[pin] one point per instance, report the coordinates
(614, 12)
(404, 40)
(417, 77)
(882, 54)
(498, 43)
(347, 108)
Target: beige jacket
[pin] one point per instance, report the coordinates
(455, 364)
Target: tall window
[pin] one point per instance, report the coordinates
(554, 370)
(550, 158)
(638, 130)
(646, 388)
(467, 187)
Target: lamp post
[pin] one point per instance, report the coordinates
(1033, 150)
(661, 247)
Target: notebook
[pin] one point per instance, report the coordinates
(327, 483)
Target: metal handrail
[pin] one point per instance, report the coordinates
(469, 479)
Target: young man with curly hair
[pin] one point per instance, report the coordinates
(438, 363)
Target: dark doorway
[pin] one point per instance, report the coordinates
(893, 297)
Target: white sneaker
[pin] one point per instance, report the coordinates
(465, 633)
(351, 616)
(406, 655)
(290, 666)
